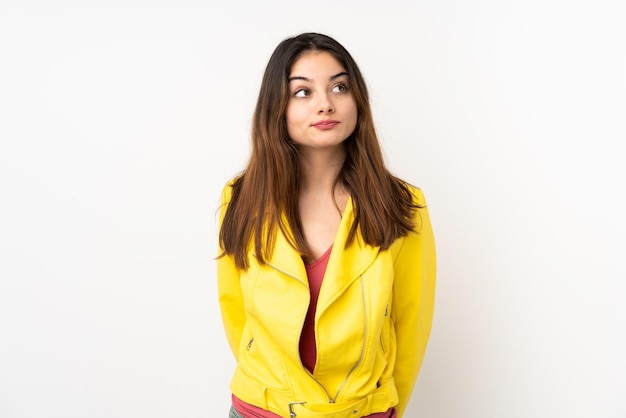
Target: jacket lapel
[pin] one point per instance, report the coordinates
(344, 266)
(287, 259)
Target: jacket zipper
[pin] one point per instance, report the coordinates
(381, 334)
(356, 365)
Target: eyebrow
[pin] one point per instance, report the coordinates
(309, 80)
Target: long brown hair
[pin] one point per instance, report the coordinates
(265, 195)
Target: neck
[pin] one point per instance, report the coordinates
(320, 168)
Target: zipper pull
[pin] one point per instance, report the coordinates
(249, 344)
(386, 309)
(292, 413)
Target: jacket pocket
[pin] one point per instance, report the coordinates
(384, 334)
(261, 358)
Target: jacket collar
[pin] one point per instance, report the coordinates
(345, 265)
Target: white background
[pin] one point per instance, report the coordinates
(120, 121)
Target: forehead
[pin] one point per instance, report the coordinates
(316, 63)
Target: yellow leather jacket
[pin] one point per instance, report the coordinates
(372, 324)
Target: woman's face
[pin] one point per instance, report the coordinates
(321, 111)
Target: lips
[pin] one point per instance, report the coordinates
(326, 124)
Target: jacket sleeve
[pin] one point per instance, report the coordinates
(413, 306)
(229, 289)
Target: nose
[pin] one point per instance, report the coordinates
(325, 105)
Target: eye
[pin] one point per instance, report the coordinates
(340, 88)
(301, 93)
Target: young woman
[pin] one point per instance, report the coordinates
(326, 274)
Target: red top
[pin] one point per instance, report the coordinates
(308, 352)
(315, 273)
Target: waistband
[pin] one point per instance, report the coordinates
(283, 403)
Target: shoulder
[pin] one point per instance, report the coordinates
(417, 194)
(414, 194)
(420, 239)
(229, 193)
(230, 189)
(418, 207)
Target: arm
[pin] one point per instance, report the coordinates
(229, 290)
(414, 294)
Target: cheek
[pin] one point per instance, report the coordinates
(350, 106)
(354, 113)
(291, 125)
(290, 114)
(293, 117)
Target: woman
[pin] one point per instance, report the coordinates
(326, 273)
